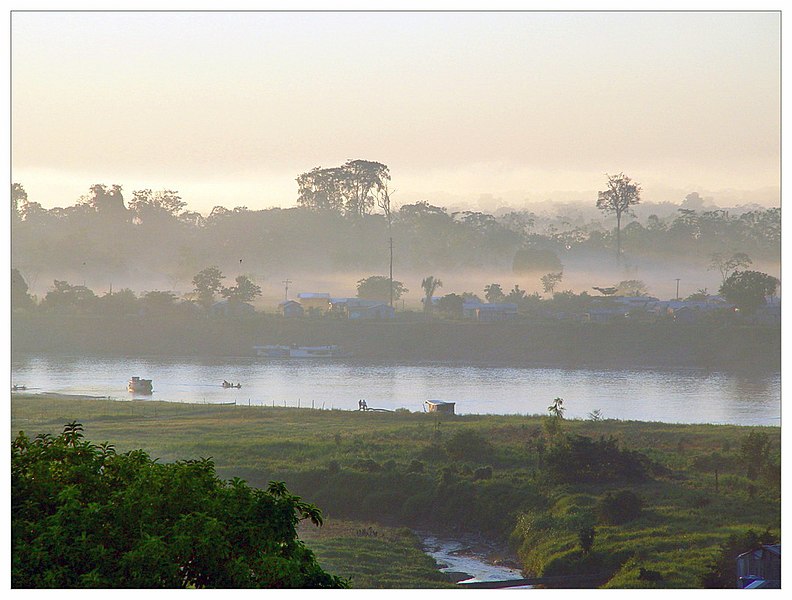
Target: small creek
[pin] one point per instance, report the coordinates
(468, 560)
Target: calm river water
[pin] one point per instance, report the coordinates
(673, 396)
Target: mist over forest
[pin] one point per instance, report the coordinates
(339, 230)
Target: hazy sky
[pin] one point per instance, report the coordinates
(228, 108)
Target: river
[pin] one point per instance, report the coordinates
(671, 395)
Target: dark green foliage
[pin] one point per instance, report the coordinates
(482, 473)
(722, 572)
(755, 453)
(579, 459)
(586, 539)
(415, 466)
(468, 445)
(649, 575)
(619, 507)
(748, 289)
(85, 516)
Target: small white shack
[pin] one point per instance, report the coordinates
(439, 406)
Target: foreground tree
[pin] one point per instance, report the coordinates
(748, 290)
(621, 194)
(83, 516)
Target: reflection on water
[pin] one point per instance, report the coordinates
(455, 556)
(682, 396)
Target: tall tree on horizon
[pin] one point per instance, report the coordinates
(622, 193)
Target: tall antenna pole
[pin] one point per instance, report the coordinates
(391, 271)
(677, 293)
(286, 282)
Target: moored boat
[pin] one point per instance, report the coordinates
(295, 351)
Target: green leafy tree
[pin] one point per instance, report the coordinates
(748, 290)
(85, 516)
(244, 290)
(378, 287)
(620, 195)
(207, 282)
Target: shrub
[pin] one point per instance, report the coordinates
(482, 473)
(416, 466)
(581, 459)
(367, 464)
(620, 507)
(469, 446)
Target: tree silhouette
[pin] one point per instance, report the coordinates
(748, 289)
(207, 283)
(494, 293)
(621, 194)
(429, 285)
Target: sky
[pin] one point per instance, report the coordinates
(477, 108)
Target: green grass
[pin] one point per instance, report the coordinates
(371, 555)
(359, 467)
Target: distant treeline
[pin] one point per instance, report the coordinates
(110, 234)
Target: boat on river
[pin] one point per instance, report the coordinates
(137, 385)
(295, 351)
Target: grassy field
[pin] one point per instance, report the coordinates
(467, 474)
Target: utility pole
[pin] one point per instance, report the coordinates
(286, 282)
(677, 292)
(391, 271)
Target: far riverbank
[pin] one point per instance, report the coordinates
(508, 344)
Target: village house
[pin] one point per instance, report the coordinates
(360, 309)
(440, 406)
(760, 568)
(489, 312)
(312, 301)
(291, 308)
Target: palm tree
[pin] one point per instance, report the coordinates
(429, 285)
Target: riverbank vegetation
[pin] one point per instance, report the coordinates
(632, 504)
(512, 343)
